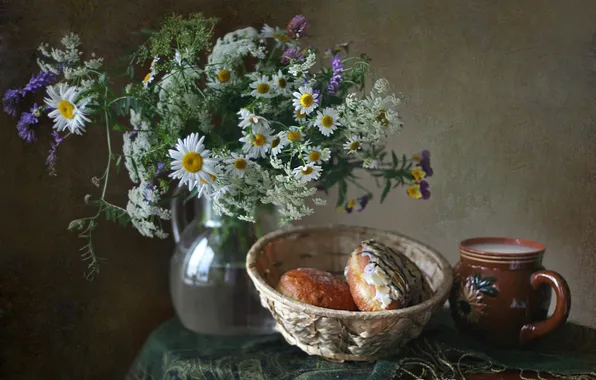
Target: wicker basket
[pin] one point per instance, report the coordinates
(337, 334)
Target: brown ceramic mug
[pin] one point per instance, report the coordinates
(501, 293)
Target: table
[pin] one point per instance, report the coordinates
(174, 353)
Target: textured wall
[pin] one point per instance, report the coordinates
(503, 95)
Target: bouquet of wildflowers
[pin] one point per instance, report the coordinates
(246, 121)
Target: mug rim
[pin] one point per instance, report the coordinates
(536, 248)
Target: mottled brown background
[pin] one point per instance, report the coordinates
(502, 93)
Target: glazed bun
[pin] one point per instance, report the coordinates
(381, 278)
(318, 288)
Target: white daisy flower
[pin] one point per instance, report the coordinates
(316, 155)
(69, 112)
(221, 77)
(307, 172)
(192, 164)
(293, 135)
(261, 87)
(280, 36)
(282, 86)
(278, 143)
(327, 121)
(353, 144)
(300, 116)
(258, 142)
(148, 79)
(249, 119)
(238, 164)
(305, 100)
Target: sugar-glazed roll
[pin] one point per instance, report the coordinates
(382, 278)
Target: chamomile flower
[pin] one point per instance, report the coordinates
(192, 163)
(261, 88)
(317, 155)
(353, 144)
(238, 164)
(258, 142)
(293, 135)
(249, 119)
(280, 36)
(148, 79)
(300, 116)
(69, 111)
(281, 83)
(278, 143)
(327, 121)
(221, 77)
(305, 99)
(306, 173)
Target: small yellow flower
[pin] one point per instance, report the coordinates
(418, 173)
(414, 191)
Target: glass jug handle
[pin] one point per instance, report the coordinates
(181, 217)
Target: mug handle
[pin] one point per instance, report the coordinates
(563, 299)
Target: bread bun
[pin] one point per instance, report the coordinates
(381, 278)
(318, 288)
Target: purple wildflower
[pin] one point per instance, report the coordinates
(51, 160)
(336, 79)
(318, 98)
(10, 101)
(297, 26)
(39, 81)
(363, 201)
(291, 53)
(26, 120)
(424, 189)
(424, 163)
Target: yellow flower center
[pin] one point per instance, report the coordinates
(294, 136)
(275, 142)
(307, 170)
(327, 121)
(418, 173)
(263, 88)
(240, 163)
(147, 78)
(306, 100)
(314, 156)
(382, 118)
(414, 192)
(284, 38)
(253, 119)
(300, 115)
(66, 109)
(281, 82)
(192, 162)
(223, 76)
(355, 145)
(259, 140)
(351, 203)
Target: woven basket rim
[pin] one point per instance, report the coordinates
(251, 259)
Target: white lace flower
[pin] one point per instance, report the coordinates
(249, 119)
(305, 100)
(327, 121)
(353, 144)
(308, 172)
(69, 111)
(261, 88)
(238, 164)
(317, 155)
(191, 163)
(257, 143)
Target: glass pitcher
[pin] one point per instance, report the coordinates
(210, 288)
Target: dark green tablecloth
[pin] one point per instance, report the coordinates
(174, 353)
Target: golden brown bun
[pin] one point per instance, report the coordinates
(318, 288)
(404, 279)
